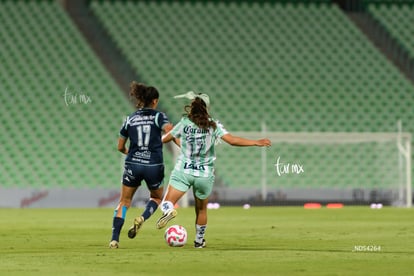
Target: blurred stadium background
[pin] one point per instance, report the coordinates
(291, 66)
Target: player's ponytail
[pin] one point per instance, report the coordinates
(197, 112)
(144, 95)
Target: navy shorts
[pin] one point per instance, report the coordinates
(153, 175)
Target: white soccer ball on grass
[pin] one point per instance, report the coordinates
(175, 236)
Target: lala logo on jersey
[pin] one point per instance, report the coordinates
(144, 155)
(192, 166)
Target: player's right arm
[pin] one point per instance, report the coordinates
(123, 137)
(243, 142)
(121, 145)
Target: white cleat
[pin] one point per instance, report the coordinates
(114, 244)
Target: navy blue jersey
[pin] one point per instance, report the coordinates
(144, 129)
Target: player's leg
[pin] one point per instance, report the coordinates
(202, 190)
(179, 185)
(150, 208)
(167, 206)
(154, 201)
(201, 222)
(154, 180)
(153, 176)
(120, 212)
(131, 180)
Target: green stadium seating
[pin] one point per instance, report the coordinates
(398, 20)
(46, 143)
(293, 65)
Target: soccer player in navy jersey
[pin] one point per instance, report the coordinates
(144, 158)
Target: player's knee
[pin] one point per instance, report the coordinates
(156, 200)
(125, 202)
(156, 196)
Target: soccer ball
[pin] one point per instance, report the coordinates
(175, 236)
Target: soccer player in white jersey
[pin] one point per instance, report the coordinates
(198, 134)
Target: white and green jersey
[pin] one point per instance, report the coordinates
(197, 147)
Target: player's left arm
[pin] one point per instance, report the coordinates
(239, 141)
(166, 138)
(167, 127)
(243, 142)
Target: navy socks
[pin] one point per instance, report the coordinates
(116, 228)
(149, 209)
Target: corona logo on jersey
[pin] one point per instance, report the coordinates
(190, 129)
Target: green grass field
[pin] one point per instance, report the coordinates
(258, 241)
